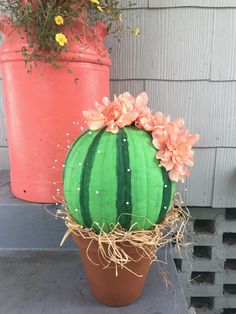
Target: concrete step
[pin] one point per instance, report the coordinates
(26, 225)
(44, 282)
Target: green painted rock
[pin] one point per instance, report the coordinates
(110, 178)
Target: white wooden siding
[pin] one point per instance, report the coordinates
(223, 66)
(225, 178)
(207, 107)
(197, 189)
(174, 44)
(191, 3)
(134, 87)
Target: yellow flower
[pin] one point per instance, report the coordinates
(95, 2)
(61, 39)
(136, 31)
(99, 8)
(59, 20)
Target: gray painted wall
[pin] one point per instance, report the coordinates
(185, 59)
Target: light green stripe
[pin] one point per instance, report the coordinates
(72, 173)
(103, 181)
(146, 179)
(123, 196)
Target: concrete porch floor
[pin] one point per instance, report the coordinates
(53, 282)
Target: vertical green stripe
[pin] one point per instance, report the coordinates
(103, 184)
(73, 170)
(124, 200)
(167, 195)
(72, 151)
(85, 179)
(146, 179)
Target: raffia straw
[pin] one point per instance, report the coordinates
(147, 242)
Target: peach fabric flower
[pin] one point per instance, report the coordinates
(174, 147)
(116, 114)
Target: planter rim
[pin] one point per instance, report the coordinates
(13, 56)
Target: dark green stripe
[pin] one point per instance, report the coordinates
(123, 199)
(167, 193)
(85, 180)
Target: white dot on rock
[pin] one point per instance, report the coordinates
(124, 139)
(97, 192)
(128, 170)
(99, 152)
(89, 132)
(80, 164)
(127, 203)
(165, 207)
(165, 185)
(78, 189)
(185, 189)
(76, 209)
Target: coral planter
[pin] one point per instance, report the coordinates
(106, 287)
(41, 107)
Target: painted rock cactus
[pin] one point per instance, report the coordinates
(111, 178)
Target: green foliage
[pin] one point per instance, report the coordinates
(37, 19)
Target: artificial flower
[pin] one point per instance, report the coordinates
(95, 2)
(61, 39)
(120, 112)
(59, 20)
(174, 147)
(99, 8)
(136, 31)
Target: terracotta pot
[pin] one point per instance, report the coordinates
(106, 287)
(41, 106)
